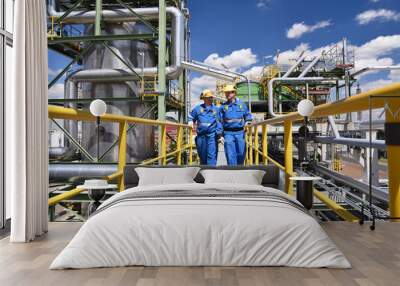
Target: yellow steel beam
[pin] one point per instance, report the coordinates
(64, 196)
(393, 157)
(246, 140)
(179, 146)
(288, 142)
(123, 128)
(75, 114)
(163, 145)
(338, 209)
(264, 144)
(190, 146)
(277, 164)
(114, 176)
(74, 192)
(272, 160)
(250, 138)
(256, 155)
(152, 160)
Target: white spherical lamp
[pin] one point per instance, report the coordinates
(305, 107)
(98, 107)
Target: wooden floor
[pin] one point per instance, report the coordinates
(375, 257)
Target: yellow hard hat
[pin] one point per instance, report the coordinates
(229, 88)
(206, 93)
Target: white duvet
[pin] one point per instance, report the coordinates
(202, 231)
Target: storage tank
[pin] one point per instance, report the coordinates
(140, 140)
(256, 95)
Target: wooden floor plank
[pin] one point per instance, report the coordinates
(375, 257)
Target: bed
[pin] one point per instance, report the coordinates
(198, 224)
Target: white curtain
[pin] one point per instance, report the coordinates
(27, 124)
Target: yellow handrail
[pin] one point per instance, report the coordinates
(338, 209)
(388, 97)
(64, 196)
(57, 112)
(75, 114)
(152, 160)
(114, 176)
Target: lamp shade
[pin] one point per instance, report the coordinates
(98, 107)
(305, 107)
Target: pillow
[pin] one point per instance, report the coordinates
(166, 176)
(248, 177)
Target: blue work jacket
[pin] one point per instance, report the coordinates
(206, 118)
(234, 115)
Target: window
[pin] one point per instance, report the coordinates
(6, 29)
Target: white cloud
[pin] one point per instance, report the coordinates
(374, 84)
(394, 75)
(237, 59)
(377, 15)
(290, 56)
(374, 1)
(262, 4)
(298, 29)
(53, 73)
(56, 91)
(377, 51)
(286, 57)
(254, 73)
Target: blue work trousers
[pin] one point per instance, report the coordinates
(207, 148)
(235, 147)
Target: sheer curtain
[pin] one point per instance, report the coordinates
(27, 123)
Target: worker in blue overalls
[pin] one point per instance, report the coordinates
(234, 115)
(208, 125)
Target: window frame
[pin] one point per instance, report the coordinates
(6, 40)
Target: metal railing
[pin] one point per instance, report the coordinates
(183, 142)
(372, 99)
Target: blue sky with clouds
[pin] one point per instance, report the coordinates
(240, 33)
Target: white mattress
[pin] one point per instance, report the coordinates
(189, 231)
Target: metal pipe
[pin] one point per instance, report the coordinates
(350, 182)
(355, 103)
(64, 172)
(378, 68)
(211, 71)
(338, 139)
(112, 75)
(162, 48)
(124, 15)
(60, 152)
(293, 67)
(379, 144)
(99, 6)
(291, 79)
(249, 93)
(311, 65)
